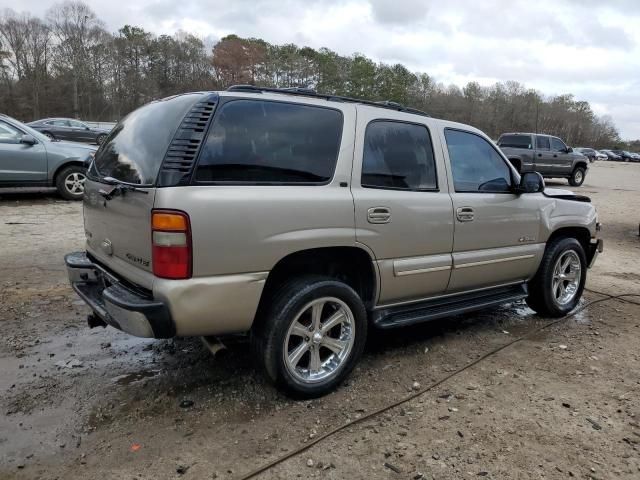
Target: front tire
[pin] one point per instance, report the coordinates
(577, 177)
(100, 139)
(49, 135)
(311, 335)
(558, 285)
(70, 182)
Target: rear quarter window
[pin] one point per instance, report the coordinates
(270, 142)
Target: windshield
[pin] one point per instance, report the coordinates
(135, 148)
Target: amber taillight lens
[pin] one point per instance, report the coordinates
(171, 241)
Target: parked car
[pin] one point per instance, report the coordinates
(612, 156)
(590, 153)
(601, 156)
(306, 220)
(624, 155)
(30, 159)
(69, 129)
(546, 154)
(635, 157)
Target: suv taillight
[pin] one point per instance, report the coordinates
(171, 239)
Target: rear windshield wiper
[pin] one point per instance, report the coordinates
(119, 188)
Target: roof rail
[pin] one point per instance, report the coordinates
(309, 92)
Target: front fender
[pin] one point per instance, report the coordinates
(560, 213)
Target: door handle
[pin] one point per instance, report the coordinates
(555, 155)
(464, 214)
(539, 154)
(379, 215)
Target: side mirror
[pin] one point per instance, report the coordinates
(28, 140)
(530, 182)
(569, 149)
(87, 128)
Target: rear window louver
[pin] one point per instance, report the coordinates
(179, 160)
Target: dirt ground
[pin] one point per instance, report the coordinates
(81, 403)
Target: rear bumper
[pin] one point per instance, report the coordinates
(116, 304)
(595, 247)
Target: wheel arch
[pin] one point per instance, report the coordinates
(582, 234)
(62, 166)
(353, 265)
(579, 164)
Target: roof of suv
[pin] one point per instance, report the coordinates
(308, 92)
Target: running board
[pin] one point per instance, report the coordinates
(403, 315)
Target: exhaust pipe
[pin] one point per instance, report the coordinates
(215, 346)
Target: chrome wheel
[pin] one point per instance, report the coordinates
(319, 340)
(578, 176)
(567, 274)
(74, 183)
(49, 136)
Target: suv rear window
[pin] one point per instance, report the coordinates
(267, 142)
(134, 150)
(515, 141)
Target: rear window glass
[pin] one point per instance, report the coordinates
(134, 150)
(263, 142)
(515, 141)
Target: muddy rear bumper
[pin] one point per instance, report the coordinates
(116, 303)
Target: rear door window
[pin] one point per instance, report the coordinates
(515, 141)
(268, 142)
(398, 156)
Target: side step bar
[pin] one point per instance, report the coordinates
(403, 315)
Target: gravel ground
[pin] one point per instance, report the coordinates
(80, 403)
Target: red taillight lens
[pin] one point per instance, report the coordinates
(171, 239)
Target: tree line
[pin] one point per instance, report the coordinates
(69, 64)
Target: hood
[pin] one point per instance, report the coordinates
(70, 148)
(562, 194)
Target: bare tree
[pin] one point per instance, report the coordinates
(28, 39)
(70, 65)
(76, 28)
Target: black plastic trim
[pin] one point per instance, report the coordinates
(179, 162)
(402, 315)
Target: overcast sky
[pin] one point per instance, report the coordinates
(587, 47)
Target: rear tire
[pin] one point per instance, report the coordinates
(310, 336)
(70, 182)
(577, 177)
(559, 282)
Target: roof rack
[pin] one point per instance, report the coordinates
(309, 92)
